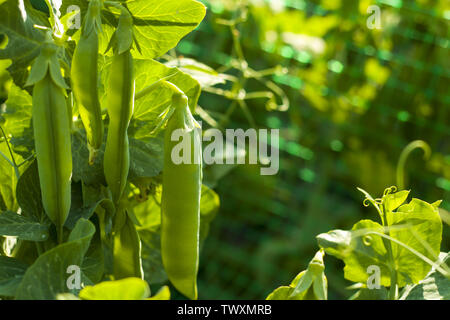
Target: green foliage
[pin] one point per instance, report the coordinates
(36, 266)
(404, 249)
(310, 284)
(356, 99)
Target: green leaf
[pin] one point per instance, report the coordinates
(151, 257)
(94, 262)
(205, 75)
(162, 294)
(435, 286)
(47, 277)
(17, 116)
(310, 284)
(8, 178)
(392, 201)
(370, 294)
(416, 225)
(420, 227)
(358, 251)
(148, 212)
(79, 211)
(367, 250)
(159, 25)
(13, 224)
(336, 242)
(124, 289)
(17, 24)
(81, 170)
(66, 296)
(146, 158)
(209, 205)
(11, 273)
(280, 293)
(314, 276)
(149, 106)
(29, 193)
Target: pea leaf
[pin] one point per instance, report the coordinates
(124, 289)
(147, 72)
(358, 251)
(17, 24)
(151, 257)
(146, 158)
(29, 193)
(17, 116)
(416, 224)
(435, 286)
(205, 75)
(370, 294)
(148, 212)
(11, 273)
(8, 179)
(47, 276)
(93, 263)
(159, 25)
(81, 170)
(422, 232)
(310, 284)
(13, 224)
(162, 294)
(209, 205)
(392, 201)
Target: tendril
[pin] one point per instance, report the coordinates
(391, 189)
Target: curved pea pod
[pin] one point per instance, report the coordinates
(127, 248)
(120, 103)
(182, 182)
(53, 149)
(84, 74)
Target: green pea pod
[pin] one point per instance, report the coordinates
(84, 76)
(52, 136)
(120, 102)
(181, 193)
(127, 248)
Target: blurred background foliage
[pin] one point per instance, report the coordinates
(357, 97)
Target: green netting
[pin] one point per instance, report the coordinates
(353, 109)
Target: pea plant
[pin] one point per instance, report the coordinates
(91, 203)
(397, 259)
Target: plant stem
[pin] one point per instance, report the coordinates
(13, 161)
(393, 269)
(39, 248)
(60, 234)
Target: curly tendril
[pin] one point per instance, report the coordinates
(391, 189)
(366, 202)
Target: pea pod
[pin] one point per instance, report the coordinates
(181, 193)
(120, 103)
(127, 248)
(52, 135)
(84, 76)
